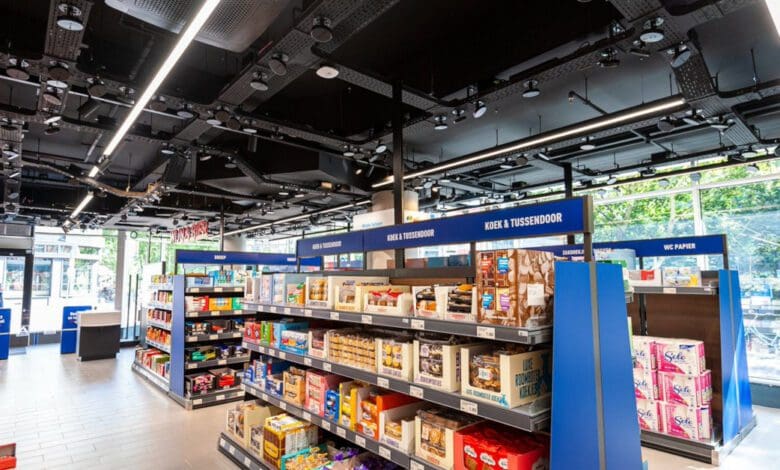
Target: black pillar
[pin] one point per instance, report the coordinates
(398, 165)
(568, 185)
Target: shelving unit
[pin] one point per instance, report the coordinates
(152, 377)
(588, 333)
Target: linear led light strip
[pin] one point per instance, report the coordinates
(594, 125)
(184, 40)
(297, 217)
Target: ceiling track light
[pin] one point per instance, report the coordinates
(186, 112)
(507, 164)
(587, 144)
(69, 17)
(58, 74)
(259, 81)
(608, 58)
(327, 71)
(680, 55)
(459, 115)
(204, 157)
(167, 150)
(158, 104)
(52, 119)
(380, 147)
(278, 63)
(321, 30)
(440, 122)
(17, 69)
(97, 87)
(52, 97)
(531, 90)
(233, 123)
(638, 49)
(749, 152)
(230, 165)
(184, 40)
(479, 109)
(652, 31)
(51, 129)
(349, 151)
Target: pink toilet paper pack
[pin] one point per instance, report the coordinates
(647, 412)
(685, 421)
(645, 384)
(682, 389)
(682, 356)
(644, 352)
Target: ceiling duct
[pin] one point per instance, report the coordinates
(234, 25)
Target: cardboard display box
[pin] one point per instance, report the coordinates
(395, 356)
(434, 435)
(436, 362)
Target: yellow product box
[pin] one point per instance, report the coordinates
(284, 434)
(348, 403)
(394, 357)
(295, 386)
(508, 377)
(220, 303)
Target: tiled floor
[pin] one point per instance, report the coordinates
(67, 414)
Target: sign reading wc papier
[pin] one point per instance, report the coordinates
(552, 218)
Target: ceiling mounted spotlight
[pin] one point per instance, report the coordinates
(58, 75)
(321, 30)
(349, 151)
(233, 123)
(327, 71)
(531, 90)
(10, 153)
(278, 63)
(652, 31)
(638, 49)
(69, 17)
(507, 164)
(587, 144)
(380, 147)
(212, 121)
(51, 97)
(696, 177)
(249, 129)
(521, 160)
(777, 151)
(51, 129)
(460, 115)
(648, 172)
(167, 150)
(229, 164)
(609, 59)
(299, 195)
(612, 179)
(259, 81)
(17, 68)
(663, 182)
(97, 87)
(445, 179)
(440, 122)
(479, 109)
(680, 55)
(186, 111)
(222, 114)
(749, 152)
(52, 119)
(283, 191)
(358, 170)
(126, 95)
(204, 157)
(158, 104)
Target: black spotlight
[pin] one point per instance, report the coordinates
(321, 31)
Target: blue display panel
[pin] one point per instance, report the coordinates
(70, 325)
(350, 242)
(234, 257)
(552, 218)
(678, 246)
(5, 332)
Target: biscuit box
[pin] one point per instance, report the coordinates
(682, 356)
(274, 385)
(436, 361)
(434, 435)
(349, 294)
(317, 386)
(388, 300)
(252, 332)
(645, 277)
(252, 289)
(294, 386)
(461, 303)
(645, 384)
(681, 277)
(429, 301)
(647, 413)
(332, 405)
(644, 352)
(284, 434)
(294, 341)
(245, 416)
(373, 401)
(505, 377)
(396, 426)
(487, 446)
(318, 343)
(394, 357)
(348, 401)
(335, 291)
(682, 389)
(686, 422)
(273, 334)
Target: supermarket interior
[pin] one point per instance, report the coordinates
(390, 234)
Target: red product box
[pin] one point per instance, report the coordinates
(488, 446)
(7, 456)
(252, 332)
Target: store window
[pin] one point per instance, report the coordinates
(41, 286)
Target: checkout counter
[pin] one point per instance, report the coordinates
(98, 335)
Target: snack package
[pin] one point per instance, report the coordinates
(488, 446)
(435, 430)
(294, 341)
(645, 384)
(535, 287)
(647, 413)
(388, 300)
(644, 352)
(437, 361)
(682, 356)
(294, 386)
(318, 343)
(682, 389)
(645, 278)
(332, 409)
(394, 357)
(686, 422)
(317, 386)
(429, 301)
(461, 303)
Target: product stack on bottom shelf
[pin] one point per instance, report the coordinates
(673, 387)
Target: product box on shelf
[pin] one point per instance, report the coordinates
(284, 434)
(371, 402)
(461, 303)
(325, 292)
(332, 405)
(352, 347)
(200, 383)
(682, 389)
(686, 422)
(256, 440)
(388, 300)
(396, 426)
(681, 277)
(348, 295)
(294, 386)
(196, 328)
(318, 344)
(253, 332)
(434, 435)
(310, 458)
(272, 331)
(505, 375)
(624, 257)
(646, 384)
(348, 401)
(237, 303)
(436, 361)
(294, 341)
(198, 280)
(644, 352)
(226, 377)
(683, 356)
(220, 303)
(244, 416)
(266, 290)
(317, 386)
(487, 446)
(395, 356)
(295, 289)
(274, 385)
(647, 413)
(429, 301)
(200, 353)
(196, 303)
(645, 277)
(252, 289)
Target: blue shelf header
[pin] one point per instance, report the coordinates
(350, 242)
(234, 257)
(679, 246)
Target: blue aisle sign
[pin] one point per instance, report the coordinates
(234, 257)
(680, 246)
(350, 242)
(70, 326)
(5, 332)
(552, 218)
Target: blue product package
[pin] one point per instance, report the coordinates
(274, 385)
(332, 405)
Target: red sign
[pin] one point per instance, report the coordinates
(191, 232)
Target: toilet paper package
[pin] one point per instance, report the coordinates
(686, 421)
(644, 352)
(682, 389)
(647, 412)
(682, 356)
(645, 384)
